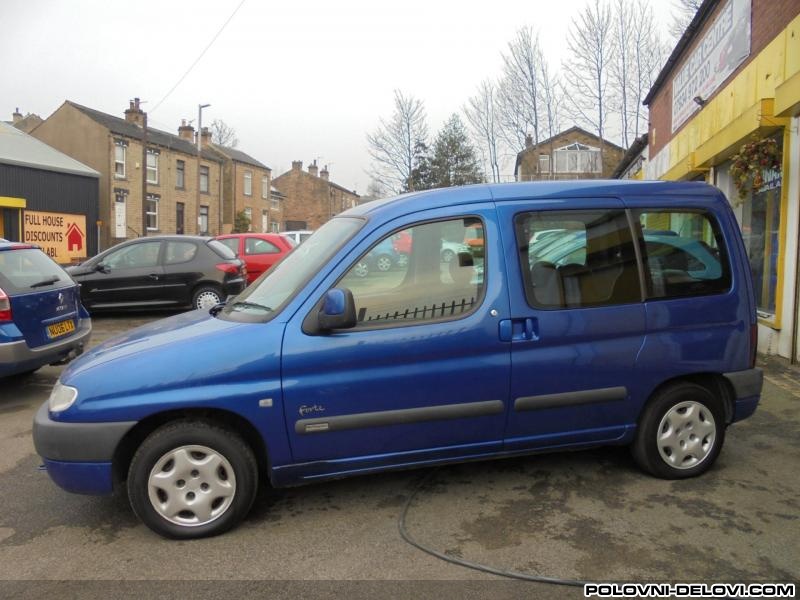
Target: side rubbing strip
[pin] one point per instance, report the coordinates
(570, 398)
(399, 417)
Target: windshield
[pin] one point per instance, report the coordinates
(271, 291)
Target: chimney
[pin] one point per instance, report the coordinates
(324, 173)
(205, 137)
(16, 116)
(528, 140)
(134, 114)
(185, 131)
(312, 169)
(297, 165)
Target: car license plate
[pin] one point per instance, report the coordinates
(62, 328)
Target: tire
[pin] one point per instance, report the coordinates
(384, 263)
(680, 433)
(448, 255)
(361, 269)
(206, 297)
(182, 462)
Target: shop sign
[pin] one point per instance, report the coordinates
(62, 236)
(723, 47)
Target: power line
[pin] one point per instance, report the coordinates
(197, 60)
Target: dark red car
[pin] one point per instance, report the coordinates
(259, 251)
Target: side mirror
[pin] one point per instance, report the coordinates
(338, 310)
(102, 268)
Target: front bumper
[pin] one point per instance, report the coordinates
(747, 386)
(18, 357)
(78, 456)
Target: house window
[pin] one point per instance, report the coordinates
(274, 203)
(248, 212)
(265, 187)
(152, 167)
(577, 158)
(204, 179)
(275, 227)
(120, 150)
(202, 220)
(152, 212)
(544, 163)
(180, 174)
(248, 183)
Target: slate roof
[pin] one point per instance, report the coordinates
(19, 148)
(155, 137)
(239, 156)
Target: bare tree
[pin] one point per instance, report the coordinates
(649, 51)
(481, 112)
(621, 67)
(392, 144)
(587, 70)
(223, 134)
(683, 12)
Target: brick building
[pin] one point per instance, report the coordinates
(183, 189)
(733, 82)
(246, 187)
(311, 198)
(572, 154)
(25, 123)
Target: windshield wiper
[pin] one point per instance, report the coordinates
(245, 304)
(44, 282)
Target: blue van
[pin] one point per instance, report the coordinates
(593, 312)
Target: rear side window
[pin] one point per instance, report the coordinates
(684, 254)
(574, 259)
(179, 252)
(259, 246)
(24, 271)
(221, 249)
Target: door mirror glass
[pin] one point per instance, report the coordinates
(338, 310)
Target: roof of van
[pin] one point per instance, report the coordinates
(600, 188)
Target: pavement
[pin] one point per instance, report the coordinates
(589, 515)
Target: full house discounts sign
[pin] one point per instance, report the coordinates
(62, 236)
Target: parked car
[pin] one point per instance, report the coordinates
(42, 320)
(380, 259)
(259, 251)
(160, 272)
(299, 236)
(314, 372)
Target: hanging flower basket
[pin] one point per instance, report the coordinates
(750, 163)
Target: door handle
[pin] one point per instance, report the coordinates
(519, 330)
(153, 276)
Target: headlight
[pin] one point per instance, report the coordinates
(62, 397)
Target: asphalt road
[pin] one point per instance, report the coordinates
(586, 515)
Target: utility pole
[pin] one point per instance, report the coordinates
(144, 172)
(200, 108)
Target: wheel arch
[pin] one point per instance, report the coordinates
(715, 383)
(123, 455)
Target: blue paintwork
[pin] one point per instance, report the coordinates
(334, 302)
(501, 351)
(93, 478)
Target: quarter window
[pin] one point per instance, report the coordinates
(435, 276)
(574, 259)
(684, 254)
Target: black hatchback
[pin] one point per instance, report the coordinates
(160, 272)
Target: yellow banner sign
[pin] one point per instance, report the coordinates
(62, 236)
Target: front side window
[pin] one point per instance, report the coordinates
(204, 179)
(683, 253)
(575, 259)
(152, 212)
(119, 160)
(134, 256)
(180, 174)
(248, 183)
(152, 167)
(179, 252)
(437, 277)
(259, 246)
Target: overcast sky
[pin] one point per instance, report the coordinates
(297, 80)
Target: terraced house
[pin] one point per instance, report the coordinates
(169, 188)
(726, 109)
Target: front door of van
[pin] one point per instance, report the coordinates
(423, 376)
(577, 321)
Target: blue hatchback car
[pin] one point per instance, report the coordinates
(313, 372)
(42, 320)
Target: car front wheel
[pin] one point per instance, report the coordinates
(191, 479)
(681, 432)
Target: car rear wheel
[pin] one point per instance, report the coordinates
(206, 297)
(681, 432)
(191, 479)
